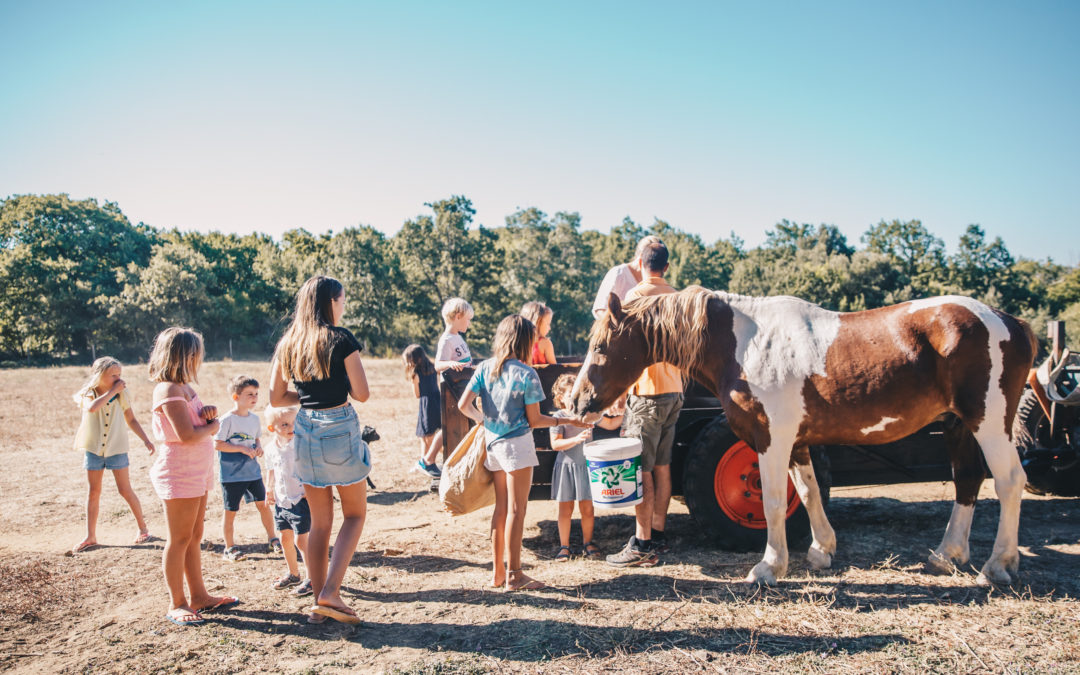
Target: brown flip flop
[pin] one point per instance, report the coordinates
(335, 614)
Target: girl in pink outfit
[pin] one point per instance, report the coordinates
(184, 470)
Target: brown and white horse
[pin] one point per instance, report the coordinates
(790, 374)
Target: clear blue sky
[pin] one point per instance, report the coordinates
(716, 117)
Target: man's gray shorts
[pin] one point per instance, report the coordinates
(651, 419)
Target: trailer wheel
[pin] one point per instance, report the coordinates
(1031, 433)
(722, 488)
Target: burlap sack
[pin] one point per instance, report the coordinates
(466, 485)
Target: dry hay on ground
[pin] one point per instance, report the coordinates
(418, 579)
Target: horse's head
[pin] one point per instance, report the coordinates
(671, 328)
(618, 353)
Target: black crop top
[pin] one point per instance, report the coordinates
(334, 390)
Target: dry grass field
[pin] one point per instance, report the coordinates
(418, 577)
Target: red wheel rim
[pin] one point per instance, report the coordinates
(737, 485)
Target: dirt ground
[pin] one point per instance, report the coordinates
(418, 577)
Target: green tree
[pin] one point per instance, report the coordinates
(242, 301)
(547, 260)
(59, 261)
(440, 257)
(1065, 290)
(360, 258)
(790, 237)
(171, 290)
(919, 255)
(979, 265)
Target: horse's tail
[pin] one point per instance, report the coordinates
(1025, 347)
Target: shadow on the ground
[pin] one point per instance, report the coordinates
(533, 640)
(635, 587)
(372, 560)
(391, 498)
(871, 533)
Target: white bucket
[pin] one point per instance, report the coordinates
(615, 472)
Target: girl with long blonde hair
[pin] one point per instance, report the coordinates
(322, 361)
(104, 443)
(509, 393)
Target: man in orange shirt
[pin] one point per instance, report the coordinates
(652, 409)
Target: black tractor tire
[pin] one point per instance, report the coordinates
(1031, 430)
(700, 477)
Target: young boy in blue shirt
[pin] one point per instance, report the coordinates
(237, 443)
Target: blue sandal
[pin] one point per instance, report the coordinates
(194, 622)
(563, 554)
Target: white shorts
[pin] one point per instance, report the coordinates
(511, 454)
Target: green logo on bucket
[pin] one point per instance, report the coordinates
(614, 482)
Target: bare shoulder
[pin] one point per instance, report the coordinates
(164, 390)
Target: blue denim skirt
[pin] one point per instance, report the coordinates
(329, 450)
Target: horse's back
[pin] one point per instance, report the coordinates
(894, 369)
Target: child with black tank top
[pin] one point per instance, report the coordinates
(322, 360)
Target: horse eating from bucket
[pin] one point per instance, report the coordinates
(790, 374)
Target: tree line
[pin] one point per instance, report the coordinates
(79, 279)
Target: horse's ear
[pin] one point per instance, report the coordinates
(614, 308)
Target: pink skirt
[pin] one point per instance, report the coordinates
(183, 470)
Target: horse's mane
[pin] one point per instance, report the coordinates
(676, 326)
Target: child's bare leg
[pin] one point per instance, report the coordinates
(93, 502)
(287, 545)
(498, 529)
(227, 520)
(123, 486)
(321, 503)
(301, 545)
(267, 517)
(518, 484)
(588, 519)
(566, 512)
(200, 597)
(180, 518)
(431, 447)
(436, 445)
(354, 512)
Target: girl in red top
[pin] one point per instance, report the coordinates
(540, 315)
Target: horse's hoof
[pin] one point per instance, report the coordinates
(762, 575)
(991, 576)
(940, 564)
(818, 559)
(1013, 566)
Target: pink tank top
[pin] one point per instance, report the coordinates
(181, 470)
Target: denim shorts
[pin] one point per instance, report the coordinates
(329, 450)
(92, 462)
(246, 490)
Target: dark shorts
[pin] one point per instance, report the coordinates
(651, 419)
(296, 517)
(248, 490)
